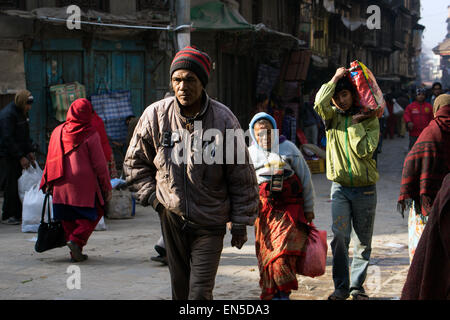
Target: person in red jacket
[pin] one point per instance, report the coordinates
(76, 174)
(417, 116)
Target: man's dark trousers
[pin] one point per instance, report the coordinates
(11, 172)
(193, 257)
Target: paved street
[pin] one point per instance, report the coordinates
(119, 265)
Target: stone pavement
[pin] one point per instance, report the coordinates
(119, 265)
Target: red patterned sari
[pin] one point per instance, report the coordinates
(280, 236)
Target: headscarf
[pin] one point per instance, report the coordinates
(67, 137)
(260, 116)
(426, 164)
(440, 101)
(78, 125)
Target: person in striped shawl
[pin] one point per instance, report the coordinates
(424, 169)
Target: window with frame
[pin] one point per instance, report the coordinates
(99, 5)
(319, 35)
(304, 32)
(12, 4)
(257, 11)
(152, 4)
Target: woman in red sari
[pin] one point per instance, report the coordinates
(286, 207)
(76, 174)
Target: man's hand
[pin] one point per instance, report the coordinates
(238, 235)
(340, 73)
(25, 163)
(357, 118)
(31, 156)
(410, 126)
(32, 159)
(309, 216)
(159, 208)
(238, 240)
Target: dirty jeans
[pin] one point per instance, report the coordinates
(353, 213)
(412, 141)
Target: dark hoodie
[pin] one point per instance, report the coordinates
(15, 141)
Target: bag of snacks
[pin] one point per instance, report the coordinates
(369, 93)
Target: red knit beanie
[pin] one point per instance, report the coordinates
(192, 59)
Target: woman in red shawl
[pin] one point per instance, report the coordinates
(424, 169)
(76, 174)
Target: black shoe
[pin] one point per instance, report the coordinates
(161, 259)
(75, 251)
(85, 257)
(161, 251)
(12, 221)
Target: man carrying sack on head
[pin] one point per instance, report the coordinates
(195, 200)
(16, 153)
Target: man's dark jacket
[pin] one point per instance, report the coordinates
(15, 141)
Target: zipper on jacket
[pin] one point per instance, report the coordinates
(188, 126)
(347, 153)
(185, 176)
(185, 190)
(367, 175)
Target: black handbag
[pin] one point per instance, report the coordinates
(50, 234)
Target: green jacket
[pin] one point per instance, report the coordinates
(350, 147)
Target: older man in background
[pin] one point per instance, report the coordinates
(16, 153)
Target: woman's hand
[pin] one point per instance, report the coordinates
(108, 196)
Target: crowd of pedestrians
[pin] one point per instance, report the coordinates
(269, 187)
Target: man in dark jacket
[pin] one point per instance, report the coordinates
(16, 153)
(195, 199)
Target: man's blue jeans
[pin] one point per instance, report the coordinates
(353, 209)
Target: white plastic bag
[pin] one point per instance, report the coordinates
(386, 113)
(120, 206)
(397, 110)
(28, 179)
(101, 226)
(32, 209)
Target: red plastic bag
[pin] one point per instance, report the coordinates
(313, 263)
(370, 95)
